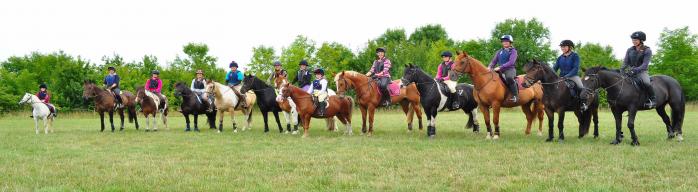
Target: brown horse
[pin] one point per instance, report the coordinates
(151, 105)
(369, 99)
(105, 102)
(337, 106)
(289, 108)
(490, 92)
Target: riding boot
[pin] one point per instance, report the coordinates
(52, 110)
(321, 108)
(242, 100)
(652, 99)
(513, 88)
(582, 99)
(119, 102)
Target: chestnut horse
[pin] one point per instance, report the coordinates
(337, 106)
(369, 99)
(151, 105)
(105, 102)
(289, 108)
(490, 92)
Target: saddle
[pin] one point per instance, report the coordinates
(518, 79)
(572, 87)
(393, 88)
(320, 106)
(453, 100)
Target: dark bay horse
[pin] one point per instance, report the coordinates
(105, 102)
(434, 100)
(623, 96)
(194, 105)
(490, 92)
(337, 106)
(558, 98)
(368, 97)
(151, 105)
(266, 99)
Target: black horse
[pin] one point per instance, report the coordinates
(624, 95)
(194, 105)
(266, 99)
(434, 98)
(558, 98)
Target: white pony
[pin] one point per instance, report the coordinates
(227, 101)
(40, 111)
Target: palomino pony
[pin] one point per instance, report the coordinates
(336, 106)
(623, 96)
(558, 98)
(151, 105)
(105, 102)
(193, 105)
(434, 98)
(289, 108)
(266, 99)
(227, 101)
(369, 98)
(39, 111)
(490, 92)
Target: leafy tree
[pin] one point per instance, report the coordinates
(677, 56)
(531, 40)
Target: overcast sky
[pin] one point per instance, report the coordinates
(133, 28)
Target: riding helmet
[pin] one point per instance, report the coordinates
(507, 38)
(567, 42)
(446, 54)
(639, 35)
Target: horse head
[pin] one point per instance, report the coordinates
(88, 90)
(180, 89)
(342, 83)
(247, 83)
(140, 93)
(211, 87)
(281, 79)
(27, 98)
(535, 71)
(285, 90)
(462, 63)
(409, 75)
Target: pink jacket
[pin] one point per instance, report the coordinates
(156, 90)
(438, 72)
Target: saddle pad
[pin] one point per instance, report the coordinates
(393, 89)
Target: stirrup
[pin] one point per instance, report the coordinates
(514, 99)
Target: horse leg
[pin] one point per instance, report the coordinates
(147, 123)
(220, 120)
(288, 121)
(561, 124)
(408, 113)
(418, 111)
(476, 125)
(618, 115)
(486, 115)
(306, 125)
(631, 126)
(371, 112)
(495, 110)
(46, 125)
(526, 108)
(101, 118)
(266, 124)
(232, 119)
(121, 115)
(111, 120)
(278, 121)
(36, 124)
(196, 121)
(667, 122)
(595, 118)
(186, 120)
(363, 119)
(249, 118)
(551, 121)
(540, 109)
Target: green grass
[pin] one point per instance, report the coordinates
(78, 157)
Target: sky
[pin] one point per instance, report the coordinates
(133, 28)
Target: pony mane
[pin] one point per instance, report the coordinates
(352, 73)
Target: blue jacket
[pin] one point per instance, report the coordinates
(109, 80)
(568, 65)
(234, 78)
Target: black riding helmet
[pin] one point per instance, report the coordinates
(319, 71)
(567, 42)
(156, 72)
(43, 85)
(639, 35)
(111, 68)
(380, 49)
(446, 54)
(303, 62)
(233, 64)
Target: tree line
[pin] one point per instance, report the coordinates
(676, 55)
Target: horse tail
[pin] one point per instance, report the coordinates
(677, 102)
(351, 106)
(131, 110)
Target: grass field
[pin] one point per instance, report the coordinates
(78, 157)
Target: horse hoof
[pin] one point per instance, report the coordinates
(488, 136)
(635, 143)
(615, 142)
(219, 131)
(679, 137)
(540, 133)
(294, 133)
(550, 139)
(495, 137)
(235, 131)
(432, 136)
